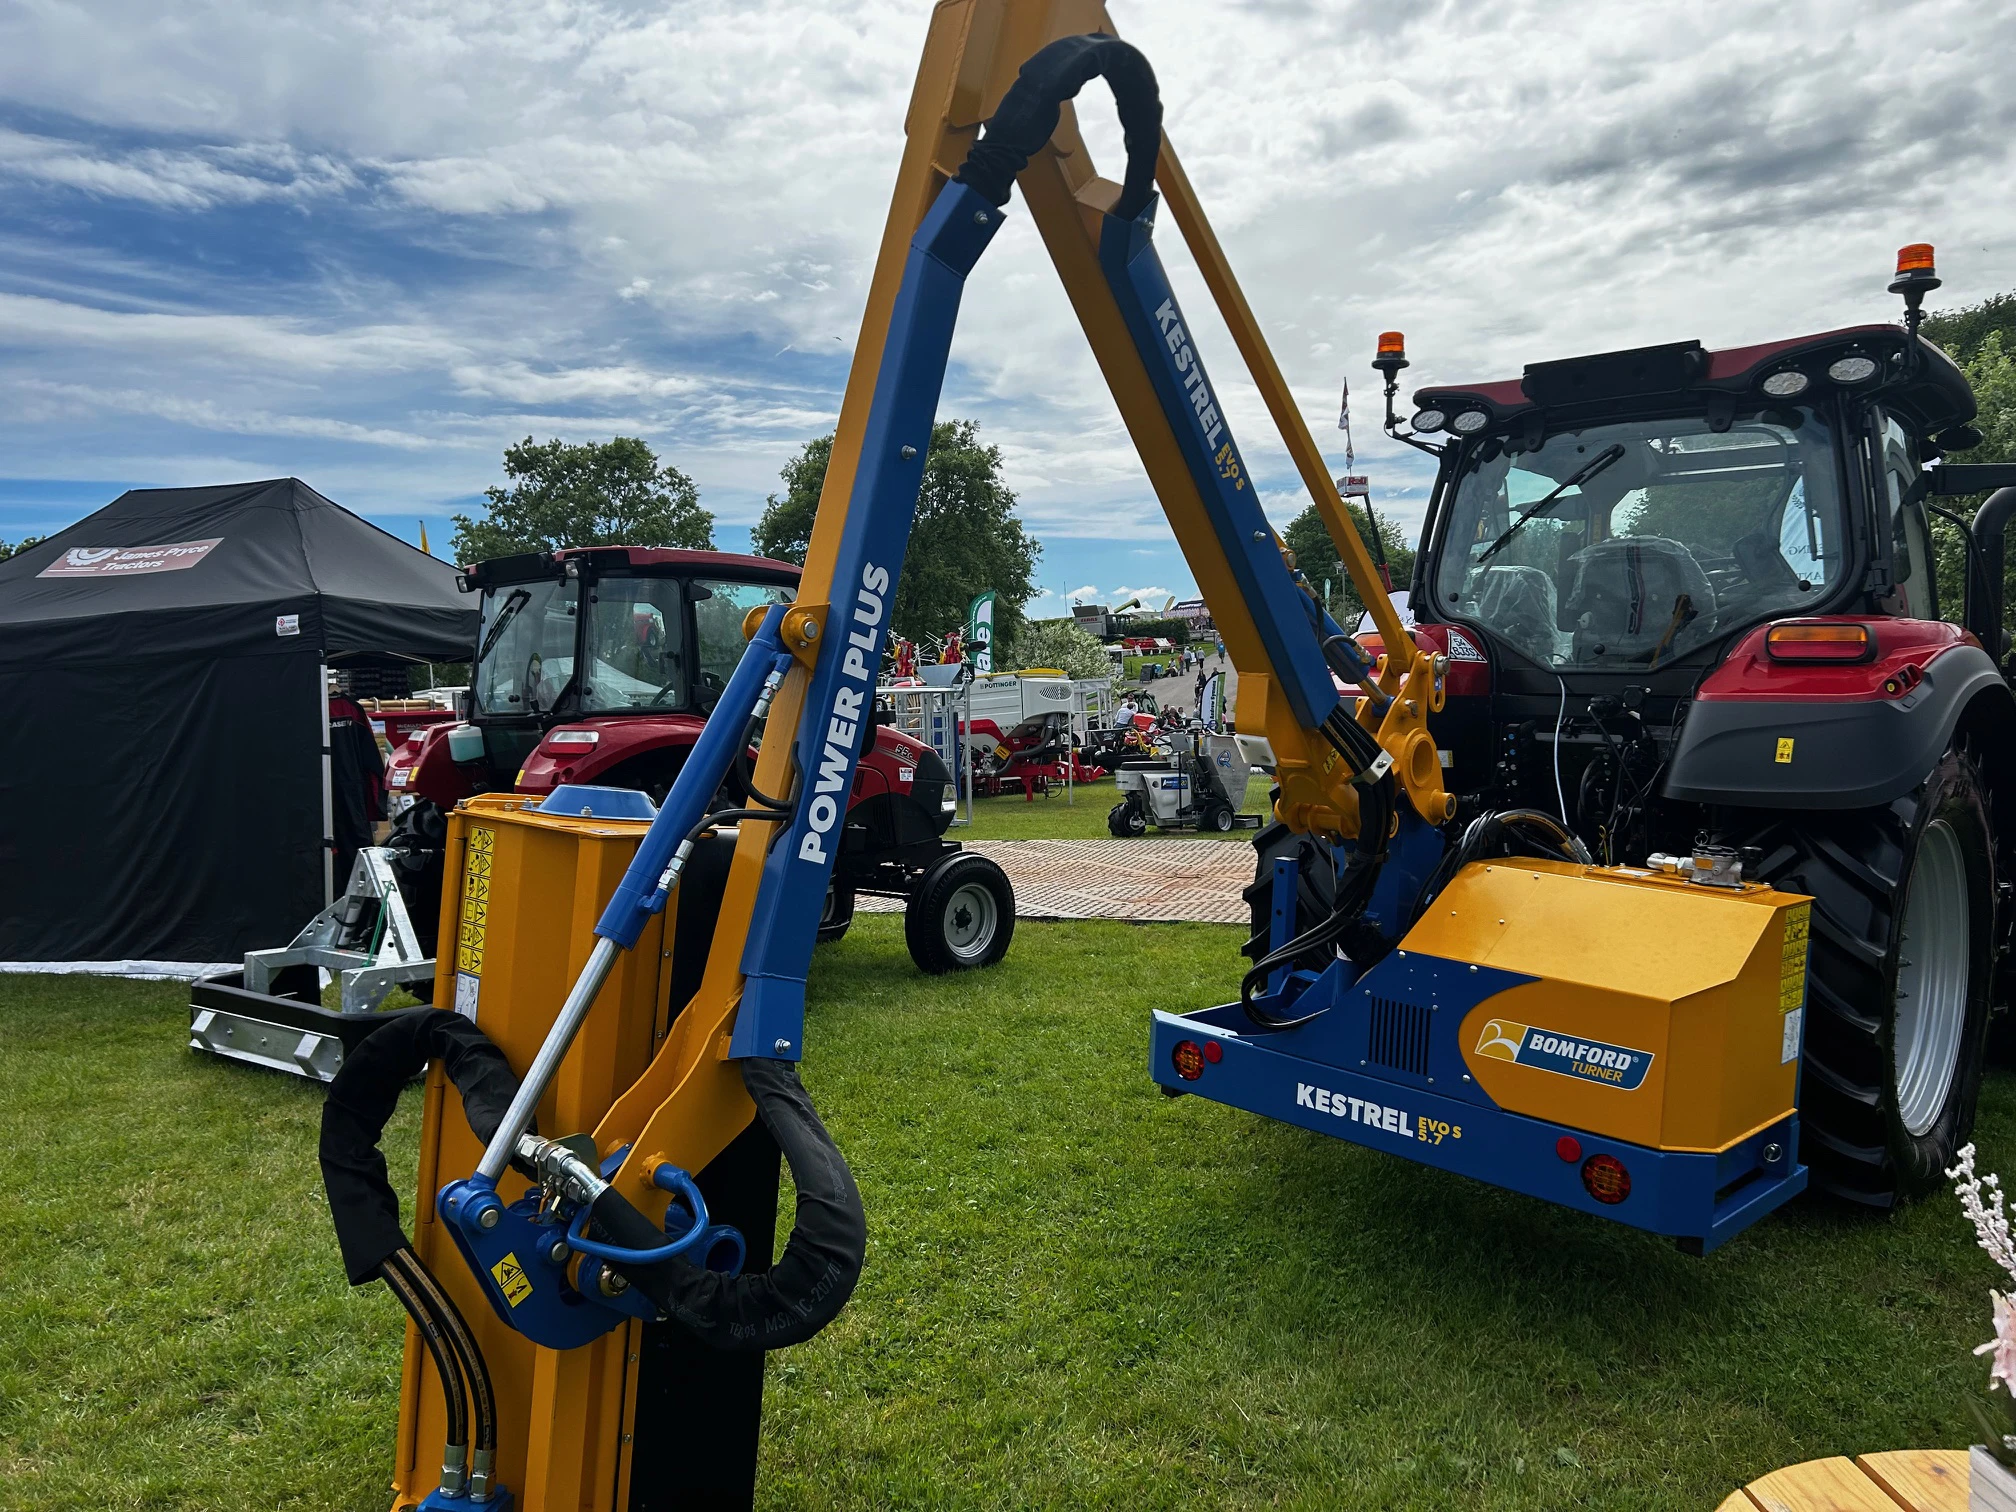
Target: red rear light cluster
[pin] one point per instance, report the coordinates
(1188, 1058)
(1819, 641)
(1605, 1179)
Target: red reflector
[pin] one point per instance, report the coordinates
(1213, 1051)
(1568, 1147)
(1605, 1179)
(1188, 1060)
(1816, 641)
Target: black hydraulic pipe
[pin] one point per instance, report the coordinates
(482, 1394)
(455, 1454)
(1989, 523)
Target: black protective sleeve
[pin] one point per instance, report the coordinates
(362, 1204)
(1029, 111)
(806, 1289)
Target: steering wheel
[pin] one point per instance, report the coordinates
(711, 689)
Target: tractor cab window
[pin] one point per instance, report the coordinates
(636, 646)
(525, 655)
(718, 611)
(1910, 545)
(1629, 544)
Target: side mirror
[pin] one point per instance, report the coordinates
(1951, 478)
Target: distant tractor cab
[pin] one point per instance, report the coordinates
(598, 666)
(1691, 612)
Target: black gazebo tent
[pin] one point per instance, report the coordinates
(163, 726)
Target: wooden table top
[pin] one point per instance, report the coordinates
(1915, 1480)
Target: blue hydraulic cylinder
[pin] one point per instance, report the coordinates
(841, 692)
(1279, 607)
(655, 869)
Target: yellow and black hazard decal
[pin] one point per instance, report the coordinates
(512, 1280)
(475, 901)
(1792, 961)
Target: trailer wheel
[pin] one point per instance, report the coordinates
(1217, 818)
(961, 915)
(837, 914)
(1127, 820)
(1898, 981)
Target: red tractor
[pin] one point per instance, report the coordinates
(1692, 618)
(598, 666)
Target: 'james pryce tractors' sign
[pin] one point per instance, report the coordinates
(128, 561)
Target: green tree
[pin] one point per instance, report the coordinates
(1960, 333)
(610, 493)
(1991, 370)
(966, 539)
(1316, 555)
(785, 529)
(20, 546)
(1061, 644)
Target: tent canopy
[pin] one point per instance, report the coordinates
(233, 570)
(162, 714)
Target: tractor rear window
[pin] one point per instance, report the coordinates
(1630, 544)
(526, 654)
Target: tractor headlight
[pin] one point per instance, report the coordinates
(1852, 369)
(1784, 385)
(1469, 422)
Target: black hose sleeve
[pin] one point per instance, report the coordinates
(482, 1393)
(1028, 113)
(806, 1288)
(434, 1334)
(362, 1204)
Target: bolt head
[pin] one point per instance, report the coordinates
(1259, 535)
(611, 1284)
(782, 1046)
(1773, 1153)
(557, 1253)
(907, 453)
(489, 1217)
(980, 217)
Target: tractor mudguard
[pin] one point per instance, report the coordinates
(1815, 753)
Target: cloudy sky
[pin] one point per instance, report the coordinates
(370, 243)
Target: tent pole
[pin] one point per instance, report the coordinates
(328, 788)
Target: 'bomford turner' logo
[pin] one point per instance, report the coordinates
(1565, 1054)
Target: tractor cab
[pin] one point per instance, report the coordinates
(601, 663)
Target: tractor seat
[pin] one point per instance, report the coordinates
(1624, 595)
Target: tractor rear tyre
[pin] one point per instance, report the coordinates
(838, 913)
(1897, 998)
(1127, 821)
(961, 915)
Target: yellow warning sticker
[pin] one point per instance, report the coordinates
(511, 1279)
(1784, 750)
(475, 901)
(1792, 960)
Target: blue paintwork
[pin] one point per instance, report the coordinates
(642, 892)
(555, 1314)
(1707, 1198)
(873, 541)
(1281, 611)
(578, 800)
(500, 1500)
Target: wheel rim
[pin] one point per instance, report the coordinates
(970, 921)
(1932, 973)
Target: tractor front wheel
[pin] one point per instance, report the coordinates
(961, 915)
(837, 914)
(1898, 978)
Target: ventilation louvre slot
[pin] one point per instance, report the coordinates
(1399, 1039)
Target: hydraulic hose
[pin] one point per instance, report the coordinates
(806, 1289)
(433, 1333)
(482, 1394)
(1028, 114)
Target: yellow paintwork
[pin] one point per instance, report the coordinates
(522, 893)
(1699, 977)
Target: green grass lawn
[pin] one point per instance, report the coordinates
(1078, 1293)
(1080, 815)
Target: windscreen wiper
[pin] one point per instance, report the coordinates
(1582, 474)
(515, 600)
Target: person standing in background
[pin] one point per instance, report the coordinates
(356, 783)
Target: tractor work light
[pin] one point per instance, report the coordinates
(573, 738)
(1605, 1179)
(1854, 369)
(1428, 420)
(1188, 1059)
(1784, 385)
(1469, 422)
(1819, 641)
